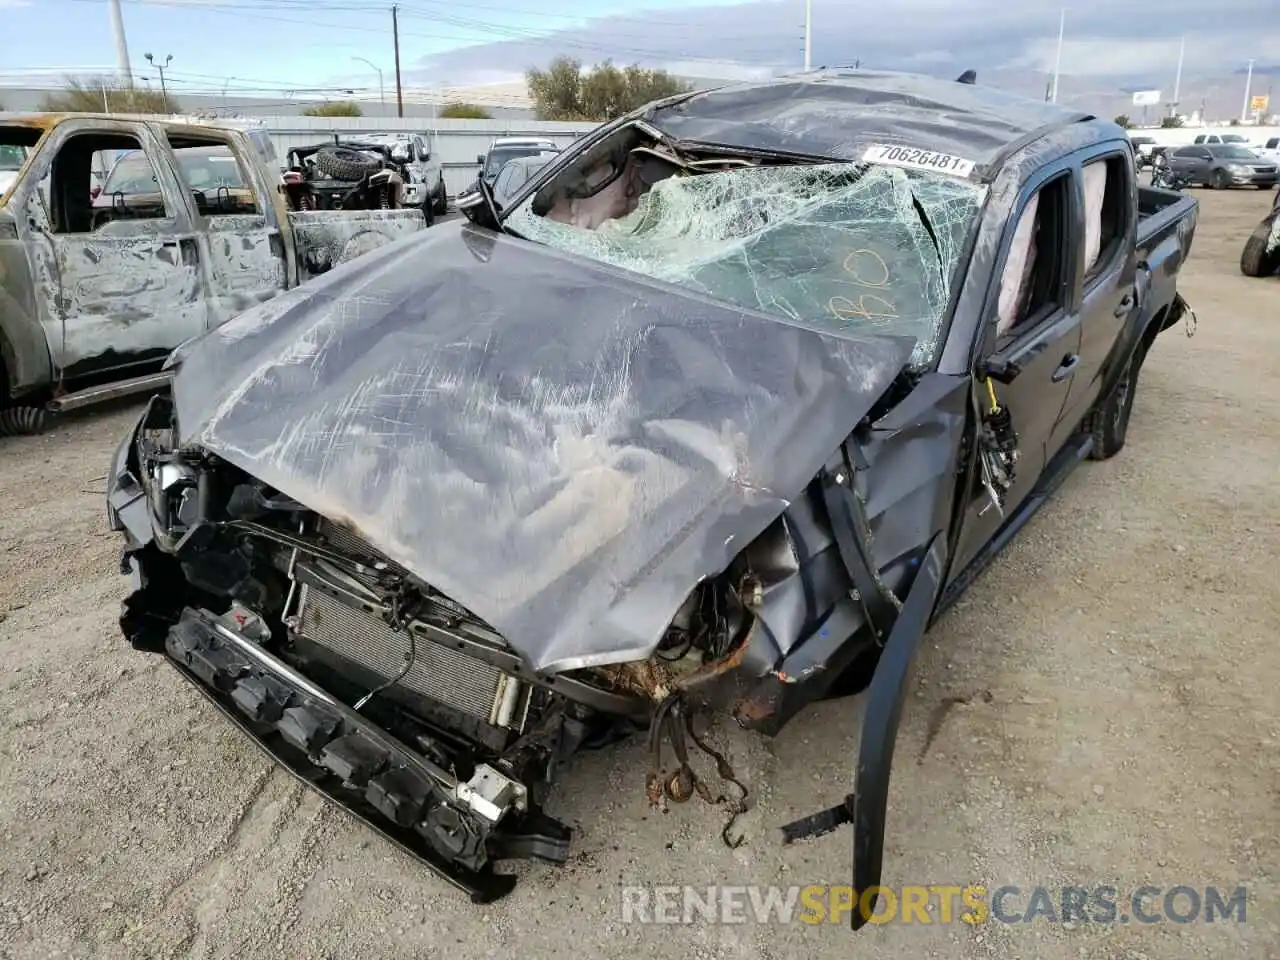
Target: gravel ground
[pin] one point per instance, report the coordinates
(1119, 664)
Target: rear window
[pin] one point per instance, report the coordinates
(131, 174)
(498, 156)
(12, 157)
(1227, 152)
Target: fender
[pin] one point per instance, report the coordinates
(24, 349)
(867, 806)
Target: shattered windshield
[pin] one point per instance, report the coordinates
(831, 246)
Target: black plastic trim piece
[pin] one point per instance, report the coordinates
(357, 765)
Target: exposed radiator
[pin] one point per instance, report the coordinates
(439, 673)
(447, 676)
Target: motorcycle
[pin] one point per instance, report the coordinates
(1164, 177)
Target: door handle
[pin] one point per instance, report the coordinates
(1125, 305)
(1064, 369)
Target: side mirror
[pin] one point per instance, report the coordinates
(480, 159)
(480, 207)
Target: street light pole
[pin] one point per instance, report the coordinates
(1057, 63)
(382, 96)
(164, 91)
(122, 48)
(1248, 85)
(808, 34)
(1177, 79)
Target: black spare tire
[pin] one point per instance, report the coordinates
(343, 163)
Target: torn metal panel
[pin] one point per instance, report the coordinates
(143, 294)
(327, 238)
(246, 264)
(603, 442)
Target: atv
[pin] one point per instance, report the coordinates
(348, 175)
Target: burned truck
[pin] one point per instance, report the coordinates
(188, 229)
(710, 421)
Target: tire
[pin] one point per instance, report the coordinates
(429, 212)
(442, 201)
(1264, 186)
(342, 163)
(1254, 260)
(1109, 421)
(1218, 180)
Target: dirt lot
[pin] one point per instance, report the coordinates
(1122, 728)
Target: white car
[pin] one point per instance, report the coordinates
(1270, 149)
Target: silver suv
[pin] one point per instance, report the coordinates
(509, 148)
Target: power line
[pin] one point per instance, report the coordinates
(553, 39)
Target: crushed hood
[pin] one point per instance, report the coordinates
(561, 446)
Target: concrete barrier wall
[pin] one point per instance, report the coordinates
(455, 142)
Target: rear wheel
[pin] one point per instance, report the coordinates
(1264, 186)
(1109, 421)
(1255, 261)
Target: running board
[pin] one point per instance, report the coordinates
(152, 382)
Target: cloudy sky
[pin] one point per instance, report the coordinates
(308, 47)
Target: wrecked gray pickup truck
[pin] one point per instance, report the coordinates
(189, 229)
(713, 420)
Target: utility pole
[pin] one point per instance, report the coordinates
(395, 34)
(1057, 63)
(808, 35)
(1177, 79)
(1248, 86)
(122, 49)
(164, 92)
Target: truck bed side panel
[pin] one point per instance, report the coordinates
(327, 238)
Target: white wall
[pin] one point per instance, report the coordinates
(455, 142)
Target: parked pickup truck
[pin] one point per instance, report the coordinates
(1261, 254)
(189, 231)
(731, 400)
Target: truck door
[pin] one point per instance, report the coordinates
(1034, 327)
(244, 251)
(117, 276)
(1107, 267)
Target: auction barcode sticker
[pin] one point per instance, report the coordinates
(918, 159)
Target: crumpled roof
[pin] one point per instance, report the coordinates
(838, 113)
(562, 447)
